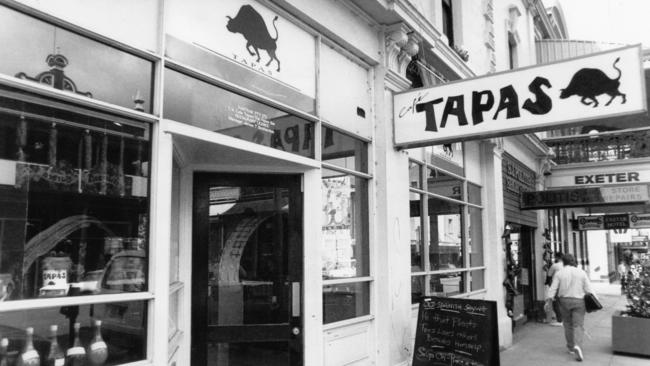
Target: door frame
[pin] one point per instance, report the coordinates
(180, 343)
(201, 332)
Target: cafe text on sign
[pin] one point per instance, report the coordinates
(592, 87)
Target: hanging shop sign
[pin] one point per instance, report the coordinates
(606, 175)
(638, 221)
(584, 197)
(596, 86)
(590, 222)
(603, 222)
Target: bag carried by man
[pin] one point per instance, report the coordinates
(591, 303)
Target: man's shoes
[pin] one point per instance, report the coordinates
(571, 351)
(578, 352)
(555, 324)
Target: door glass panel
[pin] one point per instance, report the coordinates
(248, 242)
(247, 268)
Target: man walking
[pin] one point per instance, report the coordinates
(571, 284)
(556, 267)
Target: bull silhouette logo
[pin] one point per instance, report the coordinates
(590, 83)
(250, 24)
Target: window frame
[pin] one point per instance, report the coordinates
(365, 279)
(425, 235)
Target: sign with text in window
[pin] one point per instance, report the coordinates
(570, 92)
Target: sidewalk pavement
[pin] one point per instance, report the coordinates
(544, 345)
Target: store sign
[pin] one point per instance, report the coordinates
(605, 176)
(618, 221)
(584, 197)
(638, 221)
(246, 43)
(596, 86)
(590, 222)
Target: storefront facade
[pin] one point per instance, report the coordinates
(182, 177)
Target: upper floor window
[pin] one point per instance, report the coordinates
(447, 21)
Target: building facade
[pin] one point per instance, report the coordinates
(174, 175)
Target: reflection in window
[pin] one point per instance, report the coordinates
(415, 179)
(192, 101)
(477, 280)
(417, 251)
(75, 219)
(444, 184)
(43, 53)
(345, 301)
(475, 237)
(344, 151)
(345, 230)
(445, 234)
(447, 284)
(122, 327)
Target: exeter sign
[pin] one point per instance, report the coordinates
(606, 84)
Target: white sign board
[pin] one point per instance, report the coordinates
(606, 84)
(249, 34)
(606, 175)
(638, 221)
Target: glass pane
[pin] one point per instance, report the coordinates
(174, 308)
(418, 285)
(447, 284)
(344, 151)
(122, 328)
(345, 225)
(444, 185)
(101, 16)
(447, 156)
(345, 301)
(247, 248)
(477, 280)
(204, 105)
(175, 223)
(416, 153)
(475, 239)
(417, 249)
(250, 353)
(76, 218)
(474, 194)
(445, 234)
(43, 53)
(415, 178)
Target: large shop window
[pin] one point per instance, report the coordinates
(207, 106)
(43, 53)
(74, 212)
(446, 233)
(345, 247)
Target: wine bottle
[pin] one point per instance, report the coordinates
(4, 344)
(55, 357)
(97, 350)
(76, 354)
(29, 356)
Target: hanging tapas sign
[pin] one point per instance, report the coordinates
(570, 92)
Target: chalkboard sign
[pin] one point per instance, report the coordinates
(456, 332)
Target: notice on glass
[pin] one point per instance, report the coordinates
(248, 117)
(455, 332)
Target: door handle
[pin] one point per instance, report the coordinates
(295, 299)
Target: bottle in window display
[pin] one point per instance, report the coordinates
(76, 354)
(4, 344)
(29, 356)
(55, 357)
(97, 350)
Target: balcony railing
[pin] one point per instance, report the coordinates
(604, 146)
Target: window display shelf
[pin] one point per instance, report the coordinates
(72, 301)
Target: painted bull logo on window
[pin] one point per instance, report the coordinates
(251, 25)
